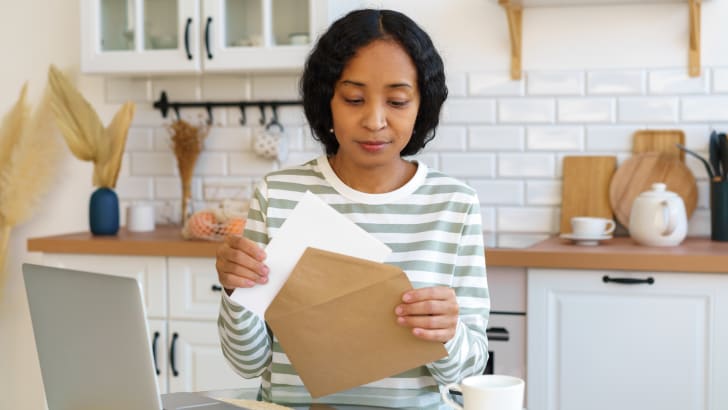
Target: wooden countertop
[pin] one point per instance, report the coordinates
(693, 255)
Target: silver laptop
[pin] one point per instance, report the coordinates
(93, 344)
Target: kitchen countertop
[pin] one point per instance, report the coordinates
(693, 255)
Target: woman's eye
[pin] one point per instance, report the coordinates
(399, 104)
(353, 100)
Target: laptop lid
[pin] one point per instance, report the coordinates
(92, 340)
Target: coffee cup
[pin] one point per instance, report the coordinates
(591, 227)
(488, 391)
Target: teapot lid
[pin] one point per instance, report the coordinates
(658, 190)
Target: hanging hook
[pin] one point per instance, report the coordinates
(261, 106)
(175, 107)
(274, 119)
(209, 113)
(243, 120)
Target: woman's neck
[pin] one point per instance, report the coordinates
(375, 179)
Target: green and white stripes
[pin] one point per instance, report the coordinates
(433, 226)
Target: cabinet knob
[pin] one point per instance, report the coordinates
(216, 288)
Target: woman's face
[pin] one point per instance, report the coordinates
(375, 105)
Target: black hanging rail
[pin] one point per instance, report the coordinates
(163, 105)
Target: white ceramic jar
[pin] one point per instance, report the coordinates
(658, 218)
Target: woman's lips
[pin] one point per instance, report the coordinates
(373, 146)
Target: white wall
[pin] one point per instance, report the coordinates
(559, 44)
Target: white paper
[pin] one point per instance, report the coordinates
(311, 223)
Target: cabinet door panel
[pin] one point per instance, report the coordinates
(604, 346)
(150, 271)
(194, 291)
(199, 361)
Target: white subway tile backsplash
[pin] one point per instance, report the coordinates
(178, 88)
(135, 188)
(586, 110)
(526, 165)
(269, 87)
(457, 84)
(696, 166)
(494, 83)
(555, 83)
(496, 138)
(225, 87)
(712, 108)
(529, 110)
(228, 139)
(448, 138)
(528, 219)
(543, 193)
(699, 223)
(696, 136)
(123, 89)
(720, 80)
(647, 109)
(703, 194)
(494, 192)
(487, 215)
(167, 188)
(431, 160)
(555, 138)
(612, 138)
(219, 189)
(211, 164)
(298, 158)
(472, 110)
(153, 164)
(677, 82)
(139, 139)
(616, 82)
(249, 164)
(468, 165)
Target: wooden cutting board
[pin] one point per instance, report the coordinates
(662, 141)
(585, 188)
(637, 174)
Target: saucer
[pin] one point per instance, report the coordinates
(585, 240)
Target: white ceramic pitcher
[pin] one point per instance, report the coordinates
(658, 218)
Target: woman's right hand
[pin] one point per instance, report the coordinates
(240, 264)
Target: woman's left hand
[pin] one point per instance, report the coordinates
(432, 313)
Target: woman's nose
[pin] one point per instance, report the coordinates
(375, 118)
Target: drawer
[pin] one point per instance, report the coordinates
(194, 291)
(507, 289)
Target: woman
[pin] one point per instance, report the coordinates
(372, 91)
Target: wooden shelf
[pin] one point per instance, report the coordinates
(514, 14)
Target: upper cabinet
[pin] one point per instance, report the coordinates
(190, 36)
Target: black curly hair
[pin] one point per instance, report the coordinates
(338, 45)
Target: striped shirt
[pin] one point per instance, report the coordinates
(433, 226)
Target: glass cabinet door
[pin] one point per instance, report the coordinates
(290, 22)
(243, 25)
(160, 24)
(117, 25)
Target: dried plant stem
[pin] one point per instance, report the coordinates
(187, 146)
(4, 240)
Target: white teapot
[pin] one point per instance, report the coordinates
(658, 218)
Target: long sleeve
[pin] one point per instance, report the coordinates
(243, 335)
(468, 350)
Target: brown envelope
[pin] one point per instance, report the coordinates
(334, 317)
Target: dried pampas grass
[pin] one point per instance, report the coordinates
(29, 152)
(85, 134)
(187, 145)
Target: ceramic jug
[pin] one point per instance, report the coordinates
(658, 218)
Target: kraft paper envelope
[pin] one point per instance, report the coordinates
(335, 320)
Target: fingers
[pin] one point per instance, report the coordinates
(239, 263)
(432, 313)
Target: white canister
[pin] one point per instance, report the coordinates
(140, 218)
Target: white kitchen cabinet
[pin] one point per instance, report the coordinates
(596, 344)
(192, 36)
(184, 338)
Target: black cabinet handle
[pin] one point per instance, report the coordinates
(187, 38)
(216, 288)
(154, 352)
(628, 281)
(498, 333)
(171, 355)
(207, 38)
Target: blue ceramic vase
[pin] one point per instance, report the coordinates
(103, 212)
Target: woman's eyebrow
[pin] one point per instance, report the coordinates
(359, 84)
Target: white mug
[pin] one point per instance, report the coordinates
(589, 226)
(488, 391)
(140, 218)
